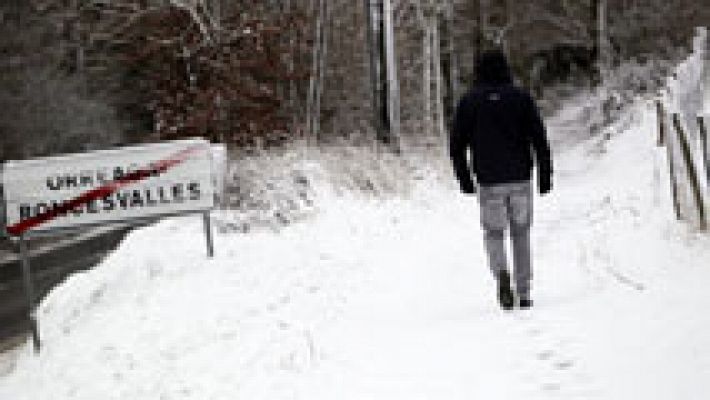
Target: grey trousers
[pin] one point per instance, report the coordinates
(503, 206)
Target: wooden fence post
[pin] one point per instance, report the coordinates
(661, 123)
(692, 173)
(669, 155)
(706, 149)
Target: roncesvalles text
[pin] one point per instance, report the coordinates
(145, 196)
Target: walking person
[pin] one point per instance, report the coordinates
(500, 125)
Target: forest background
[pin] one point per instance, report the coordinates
(79, 75)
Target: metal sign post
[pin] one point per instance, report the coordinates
(208, 233)
(29, 293)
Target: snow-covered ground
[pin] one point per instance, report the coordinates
(367, 298)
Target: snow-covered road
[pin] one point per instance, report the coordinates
(392, 299)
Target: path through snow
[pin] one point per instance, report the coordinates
(392, 299)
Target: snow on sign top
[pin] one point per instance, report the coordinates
(108, 186)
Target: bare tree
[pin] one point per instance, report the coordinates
(384, 70)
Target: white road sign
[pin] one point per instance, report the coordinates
(108, 186)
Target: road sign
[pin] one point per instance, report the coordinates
(108, 186)
(102, 187)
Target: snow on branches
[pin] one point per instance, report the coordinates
(216, 73)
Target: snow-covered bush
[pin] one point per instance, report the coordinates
(581, 113)
(274, 187)
(586, 112)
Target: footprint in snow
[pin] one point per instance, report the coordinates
(285, 299)
(551, 369)
(545, 355)
(563, 365)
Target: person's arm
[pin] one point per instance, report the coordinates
(458, 148)
(540, 145)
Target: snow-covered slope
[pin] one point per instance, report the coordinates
(392, 299)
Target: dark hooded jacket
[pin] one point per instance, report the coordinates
(501, 126)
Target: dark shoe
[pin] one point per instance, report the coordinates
(544, 182)
(525, 304)
(505, 294)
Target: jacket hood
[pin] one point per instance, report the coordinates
(492, 68)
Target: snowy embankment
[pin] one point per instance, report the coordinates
(390, 298)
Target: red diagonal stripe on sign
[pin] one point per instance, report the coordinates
(94, 194)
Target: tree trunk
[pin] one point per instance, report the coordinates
(453, 72)
(601, 38)
(375, 62)
(426, 80)
(392, 79)
(78, 39)
(311, 112)
(706, 74)
(438, 84)
(482, 26)
(321, 67)
(291, 69)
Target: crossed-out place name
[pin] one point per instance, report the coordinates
(119, 200)
(101, 176)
